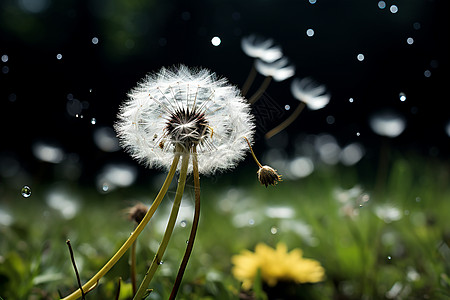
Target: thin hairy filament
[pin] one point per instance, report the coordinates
(253, 154)
(169, 229)
(248, 82)
(191, 240)
(94, 280)
(261, 90)
(286, 122)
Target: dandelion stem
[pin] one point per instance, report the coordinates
(249, 81)
(286, 122)
(169, 229)
(253, 154)
(94, 280)
(191, 240)
(261, 90)
(133, 267)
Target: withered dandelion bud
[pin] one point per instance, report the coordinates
(137, 213)
(268, 176)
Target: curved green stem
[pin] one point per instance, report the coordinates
(94, 280)
(248, 82)
(286, 122)
(169, 229)
(261, 90)
(133, 267)
(191, 240)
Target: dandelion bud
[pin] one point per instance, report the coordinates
(268, 175)
(137, 212)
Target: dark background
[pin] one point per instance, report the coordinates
(137, 37)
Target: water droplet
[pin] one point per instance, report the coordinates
(251, 222)
(187, 242)
(389, 257)
(393, 9)
(418, 199)
(90, 90)
(358, 133)
(351, 100)
(160, 262)
(310, 32)
(93, 121)
(183, 223)
(287, 107)
(416, 25)
(95, 40)
(427, 73)
(402, 97)
(26, 191)
(58, 56)
(381, 4)
(410, 40)
(360, 57)
(4, 58)
(361, 205)
(330, 120)
(105, 187)
(273, 230)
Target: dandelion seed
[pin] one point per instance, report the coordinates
(279, 70)
(184, 107)
(262, 48)
(310, 92)
(387, 123)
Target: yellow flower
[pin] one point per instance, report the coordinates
(275, 265)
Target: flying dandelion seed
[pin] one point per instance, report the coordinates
(278, 70)
(264, 49)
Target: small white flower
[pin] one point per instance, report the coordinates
(279, 70)
(387, 123)
(179, 108)
(310, 92)
(261, 48)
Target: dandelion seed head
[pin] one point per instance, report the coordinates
(176, 109)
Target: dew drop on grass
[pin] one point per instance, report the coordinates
(26, 191)
(183, 223)
(402, 97)
(160, 263)
(389, 257)
(93, 121)
(273, 230)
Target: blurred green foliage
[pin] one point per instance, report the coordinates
(393, 244)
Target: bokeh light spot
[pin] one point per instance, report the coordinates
(216, 41)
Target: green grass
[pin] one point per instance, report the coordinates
(390, 244)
